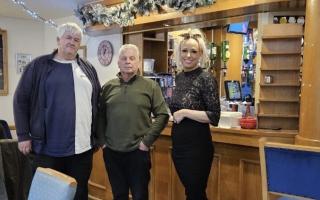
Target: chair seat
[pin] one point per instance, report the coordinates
(49, 184)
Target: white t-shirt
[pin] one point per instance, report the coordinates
(83, 93)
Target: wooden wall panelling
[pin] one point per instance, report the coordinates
(99, 187)
(152, 174)
(177, 189)
(249, 183)
(234, 63)
(213, 187)
(162, 173)
(235, 172)
(309, 133)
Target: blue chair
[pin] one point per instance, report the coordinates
(289, 171)
(6, 134)
(49, 184)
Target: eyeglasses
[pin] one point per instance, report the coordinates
(189, 35)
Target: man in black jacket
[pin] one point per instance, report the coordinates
(55, 106)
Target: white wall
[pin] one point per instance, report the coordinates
(108, 72)
(24, 36)
(36, 38)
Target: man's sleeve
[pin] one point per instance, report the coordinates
(161, 116)
(101, 120)
(22, 103)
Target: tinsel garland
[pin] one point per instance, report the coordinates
(34, 14)
(125, 13)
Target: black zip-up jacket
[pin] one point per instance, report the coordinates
(29, 99)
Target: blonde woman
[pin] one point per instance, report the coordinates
(195, 105)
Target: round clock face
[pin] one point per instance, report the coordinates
(105, 52)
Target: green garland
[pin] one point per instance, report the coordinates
(125, 13)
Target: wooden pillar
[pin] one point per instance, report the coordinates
(309, 131)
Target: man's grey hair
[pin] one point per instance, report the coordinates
(129, 46)
(70, 27)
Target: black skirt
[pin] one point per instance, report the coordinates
(192, 153)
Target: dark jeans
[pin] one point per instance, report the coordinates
(78, 166)
(128, 170)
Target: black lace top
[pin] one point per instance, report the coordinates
(196, 90)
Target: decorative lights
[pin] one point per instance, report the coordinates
(33, 14)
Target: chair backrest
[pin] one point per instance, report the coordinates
(49, 184)
(5, 132)
(17, 170)
(290, 170)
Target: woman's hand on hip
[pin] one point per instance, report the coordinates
(179, 115)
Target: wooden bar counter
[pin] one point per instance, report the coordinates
(235, 172)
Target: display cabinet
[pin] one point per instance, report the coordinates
(152, 45)
(281, 59)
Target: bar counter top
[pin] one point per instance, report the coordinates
(239, 136)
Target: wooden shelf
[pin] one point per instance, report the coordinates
(280, 84)
(154, 39)
(280, 53)
(280, 59)
(100, 30)
(281, 69)
(270, 37)
(279, 100)
(278, 115)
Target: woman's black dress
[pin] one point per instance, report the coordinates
(193, 150)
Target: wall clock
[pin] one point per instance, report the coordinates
(105, 52)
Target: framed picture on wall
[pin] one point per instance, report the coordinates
(22, 60)
(3, 63)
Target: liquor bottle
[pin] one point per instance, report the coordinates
(225, 53)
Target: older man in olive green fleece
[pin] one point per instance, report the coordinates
(125, 121)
